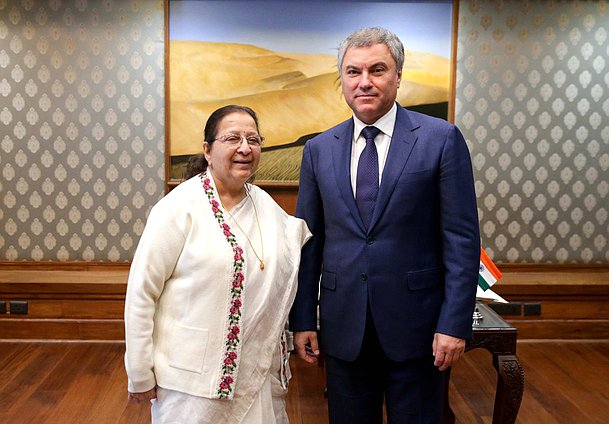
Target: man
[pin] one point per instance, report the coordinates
(395, 240)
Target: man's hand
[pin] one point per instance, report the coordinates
(447, 350)
(305, 343)
(142, 397)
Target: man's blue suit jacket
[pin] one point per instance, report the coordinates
(416, 264)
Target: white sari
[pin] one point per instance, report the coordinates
(259, 392)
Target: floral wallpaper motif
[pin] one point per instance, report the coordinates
(533, 103)
(82, 118)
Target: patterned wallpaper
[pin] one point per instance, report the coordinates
(533, 103)
(82, 126)
(82, 119)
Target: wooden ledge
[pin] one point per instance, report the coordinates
(111, 278)
(85, 301)
(62, 266)
(553, 280)
(63, 278)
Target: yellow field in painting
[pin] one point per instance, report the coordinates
(280, 164)
(293, 94)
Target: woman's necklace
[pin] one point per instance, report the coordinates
(261, 257)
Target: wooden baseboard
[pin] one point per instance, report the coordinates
(62, 329)
(65, 301)
(85, 301)
(573, 300)
(567, 329)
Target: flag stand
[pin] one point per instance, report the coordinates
(477, 316)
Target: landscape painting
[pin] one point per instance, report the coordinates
(279, 58)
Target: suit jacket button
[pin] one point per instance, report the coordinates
(369, 240)
(364, 277)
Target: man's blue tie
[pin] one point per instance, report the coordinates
(367, 184)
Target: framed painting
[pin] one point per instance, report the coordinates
(279, 58)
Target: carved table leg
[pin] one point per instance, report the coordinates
(510, 386)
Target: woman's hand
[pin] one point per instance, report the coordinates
(142, 397)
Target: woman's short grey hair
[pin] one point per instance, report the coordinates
(367, 37)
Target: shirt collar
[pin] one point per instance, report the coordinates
(385, 123)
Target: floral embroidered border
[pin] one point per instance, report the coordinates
(232, 341)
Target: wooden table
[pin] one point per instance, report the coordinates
(498, 337)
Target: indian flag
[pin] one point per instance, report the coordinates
(489, 273)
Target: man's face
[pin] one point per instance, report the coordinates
(370, 81)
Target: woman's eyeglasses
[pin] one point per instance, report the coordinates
(235, 140)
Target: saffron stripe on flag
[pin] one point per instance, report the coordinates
(488, 263)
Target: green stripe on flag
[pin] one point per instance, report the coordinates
(482, 283)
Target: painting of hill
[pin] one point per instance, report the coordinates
(294, 95)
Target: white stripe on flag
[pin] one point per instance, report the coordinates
(486, 275)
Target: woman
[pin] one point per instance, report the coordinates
(210, 287)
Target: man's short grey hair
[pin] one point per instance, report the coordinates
(367, 37)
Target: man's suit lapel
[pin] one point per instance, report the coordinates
(341, 156)
(402, 142)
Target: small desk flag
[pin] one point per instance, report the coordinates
(487, 276)
(489, 273)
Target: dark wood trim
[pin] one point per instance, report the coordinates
(524, 267)
(291, 186)
(62, 329)
(283, 185)
(69, 300)
(544, 280)
(506, 268)
(168, 186)
(62, 266)
(565, 329)
(452, 83)
(284, 193)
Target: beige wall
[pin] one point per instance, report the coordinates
(82, 126)
(532, 101)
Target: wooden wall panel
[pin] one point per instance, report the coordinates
(78, 308)
(563, 329)
(87, 301)
(61, 329)
(284, 194)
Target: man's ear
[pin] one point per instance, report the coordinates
(399, 78)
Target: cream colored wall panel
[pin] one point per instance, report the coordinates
(82, 118)
(533, 103)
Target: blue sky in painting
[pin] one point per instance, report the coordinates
(311, 26)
